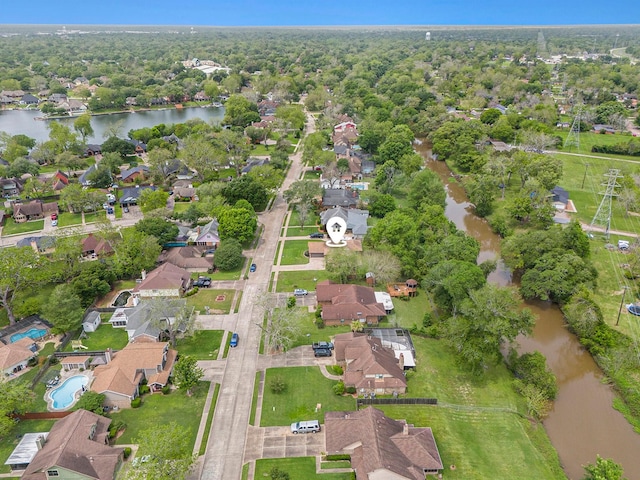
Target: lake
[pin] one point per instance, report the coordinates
(24, 122)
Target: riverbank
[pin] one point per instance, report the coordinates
(129, 110)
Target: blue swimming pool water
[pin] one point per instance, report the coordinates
(64, 395)
(34, 333)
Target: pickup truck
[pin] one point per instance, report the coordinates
(323, 345)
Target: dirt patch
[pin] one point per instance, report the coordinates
(221, 298)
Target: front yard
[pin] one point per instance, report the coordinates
(203, 345)
(307, 279)
(13, 228)
(305, 388)
(175, 407)
(293, 252)
(297, 468)
(218, 301)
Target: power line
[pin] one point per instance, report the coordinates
(602, 218)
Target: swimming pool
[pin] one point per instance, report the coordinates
(65, 394)
(360, 186)
(34, 333)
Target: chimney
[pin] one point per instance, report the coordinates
(401, 361)
(107, 355)
(405, 428)
(40, 442)
(34, 245)
(143, 274)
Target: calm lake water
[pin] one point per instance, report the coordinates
(582, 422)
(24, 122)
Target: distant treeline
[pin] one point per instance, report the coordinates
(631, 147)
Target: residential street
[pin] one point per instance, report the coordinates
(225, 452)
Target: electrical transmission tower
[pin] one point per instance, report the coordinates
(573, 139)
(602, 218)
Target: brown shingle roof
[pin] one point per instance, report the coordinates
(94, 244)
(349, 302)
(186, 257)
(377, 442)
(165, 277)
(77, 443)
(15, 352)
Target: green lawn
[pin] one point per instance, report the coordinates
(307, 279)
(293, 252)
(11, 440)
(408, 313)
(13, 228)
(589, 139)
(67, 219)
(300, 232)
(94, 217)
(179, 207)
(312, 221)
(203, 345)
(175, 407)
(297, 468)
(207, 428)
(485, 444)
(298, 401)
(312, 175)
(207, 297)
(104, 337)
(230, 275)
(40, 389)
(310, 333)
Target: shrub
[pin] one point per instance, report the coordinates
(336, 369)
(166, 390)
(338, 388)
(33, 361)
(338, 456)
(136, 402)
(144, 389)
(193, 291)
(127, 452)
(276, 474)
(532, 369)
(350, 390)
(53, 360)
(277, 385)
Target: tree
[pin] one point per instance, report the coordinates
(20, 166)
(302, 192)
(34, 188)
(282, 329)
(19, 270)
(91, 401)
(67, 253)
(238, 223)
(101, 177)
(490, 116)
(15, 397)
(163, 230)
(246, 188)
(228, 255)
(240, 112)
(62, 138)
(118, 145)
(82, 125)
(452, 281)
(486, 319)
(168, 453)
(136, 252)
(482, 192)
(93, 281)
(198, 154)
(604, 469)
(342, 264)
(385, 267)
(187, 374)
(426, 189)
(152, 200)
(64, 309)
(276, 474)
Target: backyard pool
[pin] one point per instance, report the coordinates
(360, 186)
(34, 333)
(65, 394)
(122, 298)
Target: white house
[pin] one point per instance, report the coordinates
(91, 321)
(15, 356)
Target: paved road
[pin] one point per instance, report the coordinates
(224, 456)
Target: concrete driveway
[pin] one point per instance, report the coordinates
(279, 442)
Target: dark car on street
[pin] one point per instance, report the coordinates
(234, 340)
(202, 282)
(253, 267)
(317, 235)
(322, 352)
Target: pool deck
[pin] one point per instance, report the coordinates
(65, 375)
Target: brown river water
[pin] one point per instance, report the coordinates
(583, 422)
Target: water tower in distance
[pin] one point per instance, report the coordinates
(427, 36)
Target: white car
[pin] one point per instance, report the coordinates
(54, 223)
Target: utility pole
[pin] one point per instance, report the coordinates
(624, 290)
(602, 218)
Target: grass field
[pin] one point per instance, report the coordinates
(298, 401)
(312, 221)
(589, 139)
(175, 407)
(207, 428)
(104, 337)
(179, 207)
(408, 313)
(67, 219)
(298, 468)
(300, 232)
(203, 345)
(307, 279)
(293, 252)
(13, 228)
(230, 275)
(206, 297)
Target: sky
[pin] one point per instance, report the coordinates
(321, 12)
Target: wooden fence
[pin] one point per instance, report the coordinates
(361, 402)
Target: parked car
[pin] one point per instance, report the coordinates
(54, 223)
(125, 209)
(110, 211)
(300, 292)
(327, 345)
(310, 426)
(317, 235)
(202, 282)
(253, 267)
(322, 352)
(234, 340)
(54, 216)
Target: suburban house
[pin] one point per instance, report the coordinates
(252, 163)
(608, 129)
(11, 186)
(206, 235)
(369, 366)
(93, 247)
(77, 447)
(165, 281)
(344, 126)
(59, 180)
(356, 219)
(34, 210)
(131, 195)
(39, 244)
(130, 175)
(337, 197)
(380, 447)
(185, 193)
(38, 326)
(92, 150)
(138, 146)
(142, 323)
(15, 356)
(342, 303)
(84, 178)
(201, 97)
(189, 257)
(28, 99)
(125, 370)
(91, 321)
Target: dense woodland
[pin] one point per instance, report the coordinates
(459, 91)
